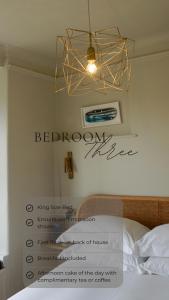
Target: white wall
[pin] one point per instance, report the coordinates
(145, 111)
(3, 163)
(31, 108)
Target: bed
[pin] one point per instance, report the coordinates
(149, 211)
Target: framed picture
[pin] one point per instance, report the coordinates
(101, 115)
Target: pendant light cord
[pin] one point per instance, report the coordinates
(90, 27)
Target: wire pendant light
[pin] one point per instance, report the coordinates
(88, 60)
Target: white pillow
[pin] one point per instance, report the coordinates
(154, 243)
(113, 227)
(156, 265)
(130, 262)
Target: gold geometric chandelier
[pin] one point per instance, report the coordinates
(88, 60)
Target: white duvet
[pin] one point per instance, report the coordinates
(134, 287)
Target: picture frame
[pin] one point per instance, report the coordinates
(101, 115)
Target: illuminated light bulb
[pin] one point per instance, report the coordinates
(91, 67)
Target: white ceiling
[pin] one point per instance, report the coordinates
(34, 24)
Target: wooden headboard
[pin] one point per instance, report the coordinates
(149, 211)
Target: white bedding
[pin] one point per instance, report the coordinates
(134, 287)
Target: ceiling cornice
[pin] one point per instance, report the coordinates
(46, 65)
(27, 59)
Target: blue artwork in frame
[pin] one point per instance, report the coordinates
(101, 115)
